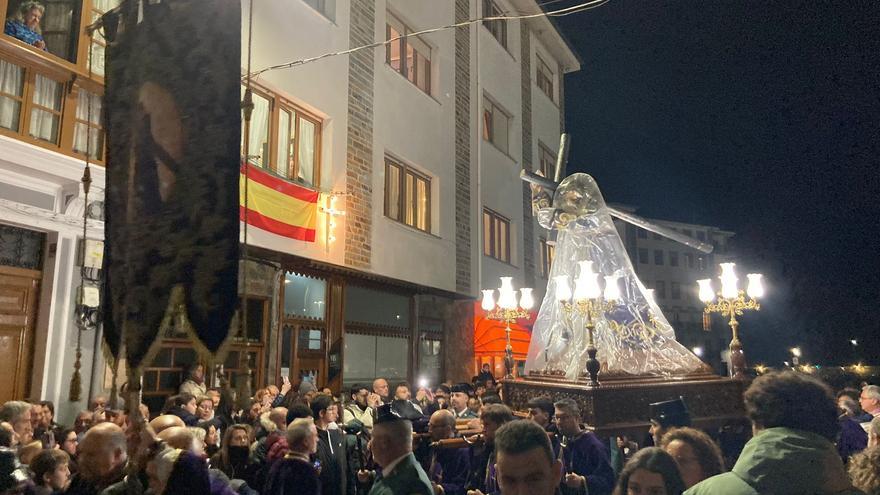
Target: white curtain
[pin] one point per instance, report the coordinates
(88, 139)
(11, 78)
(259, 132)
(47, 93)
(57, 22)
(306, 155)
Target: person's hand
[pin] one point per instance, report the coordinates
(420, 395)
(373, 400)
(573, 480)
(438, 490)
(474, 492)
(99, 416)
(285, 387)
(364, 476)
(40, 44)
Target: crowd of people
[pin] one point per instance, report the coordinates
(455, 439)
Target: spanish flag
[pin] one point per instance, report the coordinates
(278, 206)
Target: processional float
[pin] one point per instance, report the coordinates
(609, 348)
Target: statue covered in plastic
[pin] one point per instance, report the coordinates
(633, 337)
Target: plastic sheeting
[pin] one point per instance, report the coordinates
(632, 338)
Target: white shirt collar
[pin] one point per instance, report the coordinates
(386, 470)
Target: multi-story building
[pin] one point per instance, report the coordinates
(672, 270)
(420, 142)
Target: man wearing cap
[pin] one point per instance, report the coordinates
(587, 467)
(666, 415)
(460, 393)
(392, 450)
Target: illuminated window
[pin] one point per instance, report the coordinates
(407, 195)
(496, 236)
(409, 55)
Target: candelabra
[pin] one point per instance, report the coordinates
(589, 303)
(731, 303)
(507, 310)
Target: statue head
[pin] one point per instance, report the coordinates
(577, 196)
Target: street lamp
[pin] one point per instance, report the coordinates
(589, 302)
(508, 310)
(731, 302)
(795, 355)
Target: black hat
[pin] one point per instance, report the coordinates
(670, 413)
(11, 472)
(406, 410)
(386, 413)
(464, 388)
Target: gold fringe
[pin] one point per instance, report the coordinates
(76, 380)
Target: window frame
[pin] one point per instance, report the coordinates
(488, 133)
(544, 151)
(491, 9)
(659, 257)
(548, 252)
(545, 79)
(404, 45)
(405, 171)
(279, 103)
(490, 246)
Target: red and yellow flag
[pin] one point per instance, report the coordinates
(278, 206)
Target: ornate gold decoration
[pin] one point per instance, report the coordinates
(731, 308)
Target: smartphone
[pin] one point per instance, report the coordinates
(285, 379)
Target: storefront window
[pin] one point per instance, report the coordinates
(376, 307)
(370, 356)
(304, 296)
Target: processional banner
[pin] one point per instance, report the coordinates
(173, 129)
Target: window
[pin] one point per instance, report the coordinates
(547, 163)
(327, 8)
(643, 255)
(12, 78)
(658, 257)
(409, 55)
(643, 234)
(407, 196)
(498, 28)
(660, 289)
(297, 145)
(496, 236)
(675, 290)
(544, 77)
(689, 260)
(98, 46)
(673, 258)
(548, 251)
(496, 123)
(46, 106)
(88, 135)
(284, 139)
(304, 296)
(257, 130)
(701, 263)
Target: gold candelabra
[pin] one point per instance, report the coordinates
(731, 302)
(589, 303)
(507, 310)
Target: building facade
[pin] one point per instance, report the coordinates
(419, 142)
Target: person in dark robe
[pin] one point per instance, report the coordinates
(331, 447)
(585, 459)
(482, 476)
(449, 467)
(295, 473)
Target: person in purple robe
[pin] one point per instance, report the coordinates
(585, 459)
(295, 473)
(449, 466)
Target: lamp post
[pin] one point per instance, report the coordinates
(507, 310)
(731, 302)
(589, 302)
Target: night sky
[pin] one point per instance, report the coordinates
(757, 117)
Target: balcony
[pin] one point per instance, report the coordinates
(51, 92)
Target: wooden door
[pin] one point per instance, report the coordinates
(18, 311)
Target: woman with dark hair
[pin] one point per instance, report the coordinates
(68, 441)
(184, 407)
(697, 456)
(234, 455)
(651, 471)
